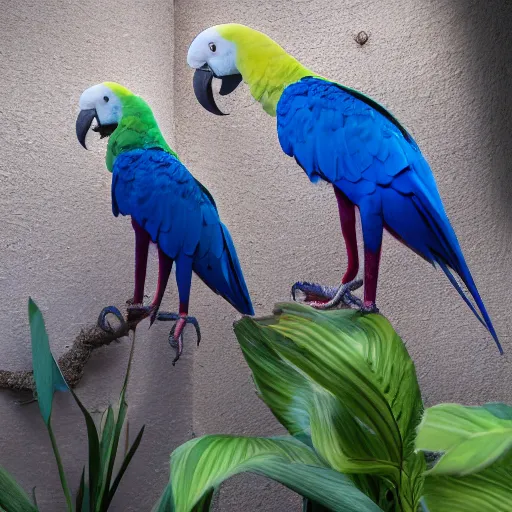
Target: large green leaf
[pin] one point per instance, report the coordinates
(199, 466)
(12, 497)
(47, 375)
(489, 490)
(48, 379)
(344, 379)
(472, 438)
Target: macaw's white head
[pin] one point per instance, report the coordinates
(103, 102)
(215, 52)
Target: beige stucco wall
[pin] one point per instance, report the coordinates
(441, 66)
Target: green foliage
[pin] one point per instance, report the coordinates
(474, 472)
(96, 492)
(47, 375)
(285, 460)
(344, 387)
(471, 438)
(12, 497)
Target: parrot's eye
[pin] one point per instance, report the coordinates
(106, 98)
(212, 47)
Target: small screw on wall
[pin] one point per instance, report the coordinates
(361, 38)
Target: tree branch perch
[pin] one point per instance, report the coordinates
(72, 362)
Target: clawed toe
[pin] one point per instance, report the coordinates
(103, 322)
(328, 297)
(176, 333)
(313, 292)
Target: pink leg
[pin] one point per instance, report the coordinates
(347, 213)
(138, 312)
(142, 240)
(164, 271)
(371, 276)
(372, 224)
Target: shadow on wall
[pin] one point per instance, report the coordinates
(489, 24)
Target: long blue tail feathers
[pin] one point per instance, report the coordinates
(468, 281)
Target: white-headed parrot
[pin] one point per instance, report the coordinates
(341, 136)
(167, 205)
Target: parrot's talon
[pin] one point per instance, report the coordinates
(328, 297)
(176, 342)
(104, 324)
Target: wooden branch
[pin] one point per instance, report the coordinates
(72, 362)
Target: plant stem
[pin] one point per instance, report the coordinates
(62, 475)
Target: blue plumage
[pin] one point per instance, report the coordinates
(341, 136)
(179, 214)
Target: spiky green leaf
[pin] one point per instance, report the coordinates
(47, 374)
(12, 497)
(199, 466)
(94, 459)
(124, 466)
(472, 438)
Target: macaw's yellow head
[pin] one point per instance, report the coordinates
(233, 53)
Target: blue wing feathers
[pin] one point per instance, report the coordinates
(180, 215)
(341, 136)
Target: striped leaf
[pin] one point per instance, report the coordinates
(199, 466)
(489, 490)
(345, 382)
(472, 438)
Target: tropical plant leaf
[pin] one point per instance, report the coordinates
(94, 458)
(12, 497)
(48, 379)
(199, 466)
(472, 438)
(111, 453)
(82, 496)
(343, 379)
(47, 374)
(166, 501)
(124, 466)
(489, 490)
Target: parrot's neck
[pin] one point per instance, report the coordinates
(268, 79)
(267, 69)
(138, 129)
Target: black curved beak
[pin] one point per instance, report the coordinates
(203, 78)
(83, 123)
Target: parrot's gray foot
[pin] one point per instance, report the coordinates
(103, 322)
(176, 334)
(369, 308)
(329, 297)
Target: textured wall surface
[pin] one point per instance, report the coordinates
(440, 65)
(60, 243)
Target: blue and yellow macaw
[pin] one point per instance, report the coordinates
(341, 136)
(167, 205)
